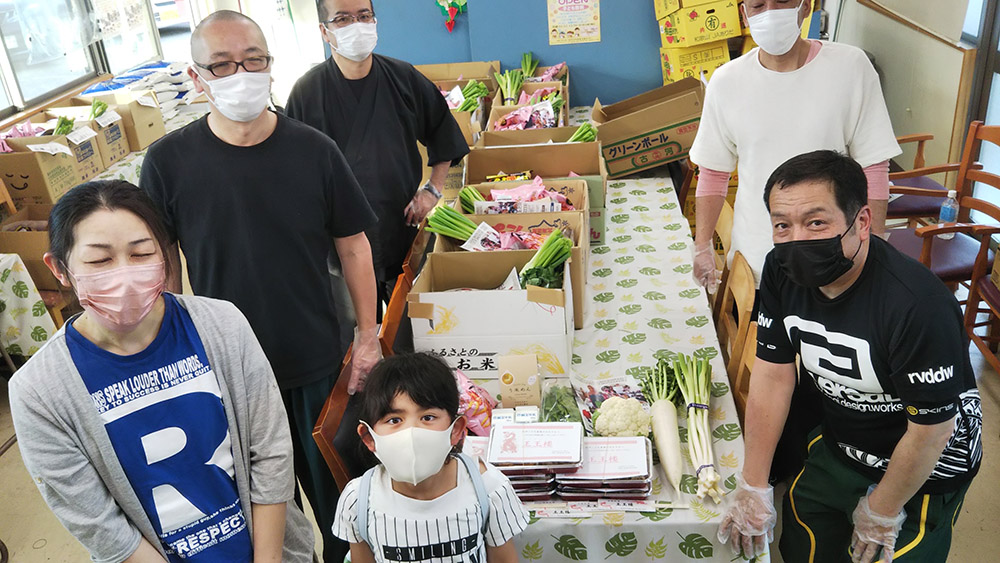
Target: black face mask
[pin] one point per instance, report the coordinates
(815, 263)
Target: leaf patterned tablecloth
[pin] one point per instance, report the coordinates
(25, 323)
(128, 168)
(641, 305)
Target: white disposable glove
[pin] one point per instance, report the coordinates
(705, 273)
(364, 355)
(872, 531)
(748, 524)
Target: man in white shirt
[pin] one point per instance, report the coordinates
(786, 97)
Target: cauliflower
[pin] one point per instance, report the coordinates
(621, 417)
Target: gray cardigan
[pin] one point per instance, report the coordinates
(70, 457)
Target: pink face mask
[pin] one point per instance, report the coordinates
(120, 298)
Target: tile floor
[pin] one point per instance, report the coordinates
(32, 534)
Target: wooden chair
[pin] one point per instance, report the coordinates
(724, 232)
(734, 314)
(739, 381)
(917, 209)
(394, 315)
(984, 297)
(953, 260)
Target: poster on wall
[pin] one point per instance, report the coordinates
(574, 21)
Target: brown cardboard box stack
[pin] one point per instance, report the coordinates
(694, 36)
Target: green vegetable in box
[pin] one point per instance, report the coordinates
(545, 267)
(559, 404)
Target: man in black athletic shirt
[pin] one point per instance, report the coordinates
(882, 340)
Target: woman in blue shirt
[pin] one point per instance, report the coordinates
(151, 423)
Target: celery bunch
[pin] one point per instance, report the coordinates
(545, 267)
(510, 84)
(586, 133)
(468, 196)
(450, 223)
(64, 126)
(528, 64)
(97, 109)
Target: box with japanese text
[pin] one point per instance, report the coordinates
(700, 24)
(81, 141)
(457, 312)
(597, 226)
(693, 62)
(30, 245)
(664, 8)
(650, 129)
(39, 173)
(574, 222)
(112, 142)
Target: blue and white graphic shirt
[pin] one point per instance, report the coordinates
(163, 411)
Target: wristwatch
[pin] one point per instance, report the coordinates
(430, 188)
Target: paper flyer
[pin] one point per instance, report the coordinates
(574, 21)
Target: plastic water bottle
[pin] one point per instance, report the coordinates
(949, 213)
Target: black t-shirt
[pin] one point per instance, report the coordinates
(891, 348)
(256, 225)
(377, 121)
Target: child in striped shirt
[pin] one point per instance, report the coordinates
(425, 501)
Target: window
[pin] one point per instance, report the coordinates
(50, 46)
(973, 21)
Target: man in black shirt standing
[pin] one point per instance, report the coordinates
(377, 109)
(257, 201)
(882, 339)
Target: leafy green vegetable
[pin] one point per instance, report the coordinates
(559, 405)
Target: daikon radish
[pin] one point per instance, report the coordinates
(660, 390)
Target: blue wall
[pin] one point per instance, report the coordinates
(623, 64)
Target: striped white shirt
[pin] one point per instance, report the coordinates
(446, 529)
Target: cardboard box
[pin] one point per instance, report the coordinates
(542, 223)
(650, 129)
(704, 23)
(597, 226)
(520, 382)
(693, 62)
(499, 111)
(142, 117)
(112, 142)
(562, 76)
(530, 88)
(481, 71)
(470, 122)
(471, 329)
(549, 161)
(33, 176)
(30, 245)
(525, 137)
(81, 141)
(664, 8)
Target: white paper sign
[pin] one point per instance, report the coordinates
(147, 101)
(484, 238)
(110, 116)
(51, 148)
(81, 134)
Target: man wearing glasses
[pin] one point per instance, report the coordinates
(377, 109)
(257, 201)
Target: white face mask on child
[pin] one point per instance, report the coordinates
(414, 454)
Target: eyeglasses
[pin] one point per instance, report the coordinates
(228, 68)
(345, 20)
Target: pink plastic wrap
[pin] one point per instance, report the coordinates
(532, 192)
(476, 404)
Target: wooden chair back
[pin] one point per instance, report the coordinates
(724, 232)
(739, 382)
(393, 316)
(415, 257)
(328, 424)
(735, 308)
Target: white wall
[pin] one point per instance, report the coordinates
(920, 75)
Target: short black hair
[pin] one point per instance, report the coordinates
(424, 378)
(78, 203)
(843, 173)
(324, 14)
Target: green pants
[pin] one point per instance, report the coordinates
(816, 517)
